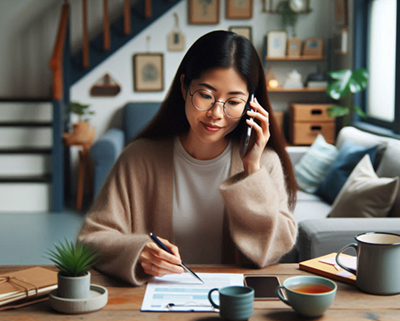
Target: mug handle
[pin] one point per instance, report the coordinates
(211, 300)
(353, 245)
(278, 292)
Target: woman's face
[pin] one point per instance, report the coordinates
(213, 125)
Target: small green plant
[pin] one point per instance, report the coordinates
(73, 259)
(82, 111)
(345, 82)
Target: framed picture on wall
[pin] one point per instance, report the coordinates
(148, 72)
(244, 31)
(203, 12)
(276, 43)
(340, 12)
(294, 47)
(313, 46)
(239, 9)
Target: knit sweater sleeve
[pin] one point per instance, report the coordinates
(260, 222)
(108, 226)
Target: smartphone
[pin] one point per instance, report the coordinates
(246, 135)
(264, 286)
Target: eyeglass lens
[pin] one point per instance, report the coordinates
(204, 100)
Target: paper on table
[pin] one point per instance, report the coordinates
(181, 292)
(349, 261)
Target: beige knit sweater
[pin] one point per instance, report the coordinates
(137, 197)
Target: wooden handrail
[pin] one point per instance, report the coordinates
(56, 61)
(127, 17)
(85, 49)
(148, 9)
(106, 39)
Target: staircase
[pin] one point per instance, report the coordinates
(33, 160)
(25, 155)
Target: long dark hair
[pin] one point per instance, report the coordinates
(215, 50)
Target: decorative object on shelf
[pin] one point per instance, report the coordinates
(148, 72)
(203, 12)
(294, 47)
(271, 80)
(299, 6)
(74, 262)
(341, 13)
(244, 31)
(276, 43)
(316, 80)
(75, 294)
(345, 82)
(106, 86)
(242, 9)
(293, 80)
(313, 46)
(268, 6)
(340, 41)
(176, 39)
(81, 129)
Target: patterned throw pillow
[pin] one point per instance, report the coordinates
(311, 169)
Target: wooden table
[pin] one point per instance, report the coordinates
(124, 302)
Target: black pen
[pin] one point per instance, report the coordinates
(161, 245)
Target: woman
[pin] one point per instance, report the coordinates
(184, 180)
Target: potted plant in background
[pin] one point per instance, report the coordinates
(345, 82)
(81, 129)
(74, 262)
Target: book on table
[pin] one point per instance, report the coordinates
(326, 266)
(28, 284)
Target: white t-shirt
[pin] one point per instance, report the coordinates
(198, 207)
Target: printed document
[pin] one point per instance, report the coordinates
(182, 292)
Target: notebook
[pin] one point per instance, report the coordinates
(15, 286)
(325, 266)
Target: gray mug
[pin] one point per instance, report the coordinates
(378, 262)
(235, 302)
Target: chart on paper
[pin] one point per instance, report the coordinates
(181, 292)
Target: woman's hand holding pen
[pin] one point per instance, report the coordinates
(251, 161)
(155, 261)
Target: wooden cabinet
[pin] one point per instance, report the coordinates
(306, 121)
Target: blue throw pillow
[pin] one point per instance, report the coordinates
(312, 168)
(347, 159)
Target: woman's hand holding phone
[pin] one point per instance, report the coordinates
(251, 161)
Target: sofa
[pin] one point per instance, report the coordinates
(318, 234)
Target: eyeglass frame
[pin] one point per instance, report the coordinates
(216, 101)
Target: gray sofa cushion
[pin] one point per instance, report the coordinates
(390, 167)
(310, 206)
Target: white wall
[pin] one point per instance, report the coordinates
(119, 66)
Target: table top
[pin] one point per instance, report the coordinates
(124, 301)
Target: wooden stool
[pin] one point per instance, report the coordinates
(84, 163)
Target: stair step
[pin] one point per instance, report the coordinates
(26, 179)
(25, 124)
(25, 150)
(26, 112)
(25, 100)
(14, 165)
(25, 197)
(36, 137)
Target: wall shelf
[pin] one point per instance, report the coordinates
(304, 89)
(299, 58)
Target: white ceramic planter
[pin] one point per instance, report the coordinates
(73, 287)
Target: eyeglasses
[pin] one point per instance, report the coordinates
(204, 100)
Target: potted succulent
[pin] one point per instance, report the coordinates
(81, 129)
(74, 262)
(345, 82)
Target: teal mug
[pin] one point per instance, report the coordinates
(310, 296)
(378, 261)
(235, 302)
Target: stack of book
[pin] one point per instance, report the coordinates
(26, 285)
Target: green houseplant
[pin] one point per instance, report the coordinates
(81, 129)
(74, 260)
(346, 82)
